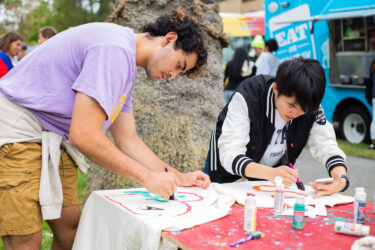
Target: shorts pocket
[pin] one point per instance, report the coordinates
(13, 178)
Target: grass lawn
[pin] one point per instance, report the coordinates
(360, 150)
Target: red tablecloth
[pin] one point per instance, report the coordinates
(318, 233)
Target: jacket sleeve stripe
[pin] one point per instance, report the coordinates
(335, 161)
(239, 165)
(213, 165)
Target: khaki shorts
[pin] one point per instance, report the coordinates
(20, 168)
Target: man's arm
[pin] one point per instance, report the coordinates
(323, 146)
(127, 140)
(87, 136)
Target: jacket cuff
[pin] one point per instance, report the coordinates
(333, 162)
(239, 165)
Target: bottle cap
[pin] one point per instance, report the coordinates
(365, 230)
(249, 194)
(250, 200)
(359, 189)
(278, 181)
(300, 200)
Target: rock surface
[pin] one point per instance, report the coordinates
(173, 118)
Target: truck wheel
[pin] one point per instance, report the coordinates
(354, 125)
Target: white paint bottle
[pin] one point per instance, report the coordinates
(359, 205)
(351, 228)
(250, 213)
(279, 196)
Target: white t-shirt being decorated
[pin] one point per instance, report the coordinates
(277, 147)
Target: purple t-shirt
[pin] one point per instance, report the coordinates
(96, 59)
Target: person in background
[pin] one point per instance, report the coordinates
(237, 70)
(23, 52)
(268, 122)
(257, 46)
(10, 45)
(268, 62)
(46, 33)
(372, 127)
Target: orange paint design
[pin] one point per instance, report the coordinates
(287, 190)
(117, 109)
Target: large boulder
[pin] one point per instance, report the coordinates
(173, 118)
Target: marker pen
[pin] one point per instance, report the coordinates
(299, 183)
(251, 236)
(172, 196)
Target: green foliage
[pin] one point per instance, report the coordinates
(81, 182)
(34, 20)
(60, 14)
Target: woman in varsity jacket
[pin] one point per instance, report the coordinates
(268, 122)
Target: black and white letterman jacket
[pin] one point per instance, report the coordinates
(245, 127)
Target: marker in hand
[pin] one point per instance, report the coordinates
(299, 183)
(172, 196)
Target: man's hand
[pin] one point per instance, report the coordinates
(161, 183)
(196, 178)
(289, 175)
(327, 189)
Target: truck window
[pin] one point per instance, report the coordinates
(371, 32)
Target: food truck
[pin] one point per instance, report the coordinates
(340, 34)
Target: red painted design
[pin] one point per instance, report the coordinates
(184, 202)
(131, 211)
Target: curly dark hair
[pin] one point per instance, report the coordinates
(190, 35)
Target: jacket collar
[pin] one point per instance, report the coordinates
(270, 108)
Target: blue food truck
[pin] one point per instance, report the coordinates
(340, 34)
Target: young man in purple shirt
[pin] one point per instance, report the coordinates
(74, 86)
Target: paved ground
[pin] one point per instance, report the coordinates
(360, 171)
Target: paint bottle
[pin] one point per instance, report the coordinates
(299, 213)
(351, 228)
(359, 205)
(279, 196)
(250, 213)
(355, 204)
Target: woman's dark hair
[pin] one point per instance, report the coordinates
(303, 79)
(7, 39)
(271, 45)
(235, 65)
(190, 35)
